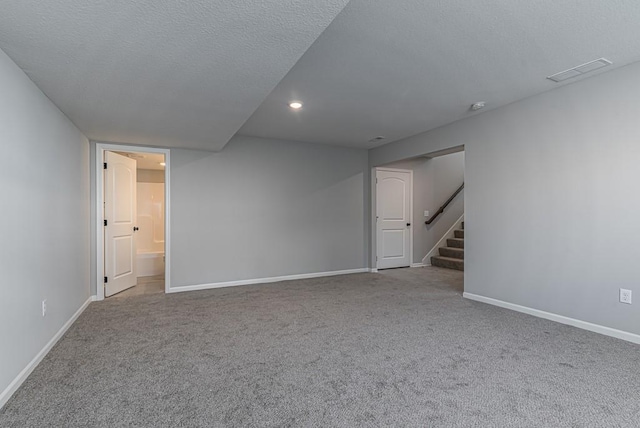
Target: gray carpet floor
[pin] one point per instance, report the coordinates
(399, 348)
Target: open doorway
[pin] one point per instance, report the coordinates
(418, 212)
(133, 201)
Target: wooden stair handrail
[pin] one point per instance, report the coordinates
(441, 209)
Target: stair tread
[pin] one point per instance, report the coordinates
(447, 262)
(455, 242)
(450, 259)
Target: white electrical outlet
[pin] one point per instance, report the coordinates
(426, 213)
(625, 296)
(44, 307)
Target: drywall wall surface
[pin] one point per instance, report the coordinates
(150, 176)
(434, 181)
(266, 208)
(438, 140)
(44, 250)
(551, 206)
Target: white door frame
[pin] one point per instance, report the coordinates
(374, 205)
(100, 149)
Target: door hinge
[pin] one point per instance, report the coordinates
(106, 279)
(105, 165)
(105, 222)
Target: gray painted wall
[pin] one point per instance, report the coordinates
(551, 198)
(434, 181)
(44, 183)
(264, 208)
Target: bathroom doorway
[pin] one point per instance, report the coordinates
(132, 219)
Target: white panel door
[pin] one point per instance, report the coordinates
(393, 223)
(120, 214)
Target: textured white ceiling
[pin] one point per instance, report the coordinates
(398, 68)
(189, 73)
(184, 73)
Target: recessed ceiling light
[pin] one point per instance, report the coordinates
(477, 106)
(378, 138)
(162, 163)
(295, 105)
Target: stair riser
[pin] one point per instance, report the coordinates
(456, 253)
(455, 243)
(458, 234)
(449, 264)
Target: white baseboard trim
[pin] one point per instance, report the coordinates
(265, 280)
(24, 374)
(607, 331)
(373, 270)
(416, 265)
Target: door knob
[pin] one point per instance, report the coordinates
(135, 228)
(408, 224)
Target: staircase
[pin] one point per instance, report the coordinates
(451, 256)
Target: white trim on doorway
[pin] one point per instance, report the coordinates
(100, 149)
(375, 213)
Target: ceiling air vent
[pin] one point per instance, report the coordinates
(580, 70)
